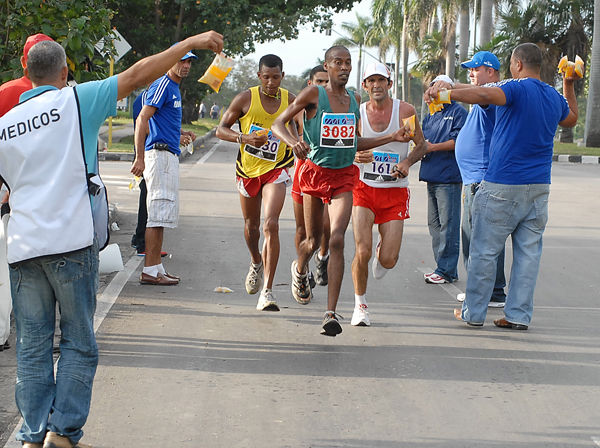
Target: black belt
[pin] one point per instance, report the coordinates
(161, 147)
(474, 188)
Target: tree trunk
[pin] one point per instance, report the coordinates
(189, 112)
(451, 49)
(592, 118)
(397, 73)
(485, 33)
(179, 22)
(463, 40)
(405, 55)
(358, 69)
(566, 135)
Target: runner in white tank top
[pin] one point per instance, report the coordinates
(382, 196)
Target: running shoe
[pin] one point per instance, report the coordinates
(436, 279)
(254, 279)
(331, 324)
(321, 276)
(461, 297)
(266, 301)
(360, 316)
(311, 280)
(300, 286)
(493, 304)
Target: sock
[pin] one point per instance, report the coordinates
(256, 265)
(360, 300)
(161, 269)
(151, 270)
(323, 258)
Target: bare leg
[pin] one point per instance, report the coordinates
(391, 240)
(274, 196)
(313, 220)
(154, 240)
(362, 223)
(300, 229)
(326, 232)
(340, 211)
(251, 212)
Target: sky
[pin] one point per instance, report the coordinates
(302, 53)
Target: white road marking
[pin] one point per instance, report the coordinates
(596, 440)
(209, 153)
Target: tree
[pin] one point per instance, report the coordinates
(359, 36)
(151, 26)
(388, 15)
(77, 25)
(592, 119)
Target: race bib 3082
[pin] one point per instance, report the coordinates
(338, 131)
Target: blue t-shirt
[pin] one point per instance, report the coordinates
(97, 102)
(441, 166)
(165, 124)
(522, 141)
(472, 147)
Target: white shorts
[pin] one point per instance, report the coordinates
(162, 181)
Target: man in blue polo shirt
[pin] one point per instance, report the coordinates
(46, 143)
(512, 200)
(158, 135)
(440, 171)
(472, 155)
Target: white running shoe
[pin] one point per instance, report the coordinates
(360, 316)
(495, 304)
(461, 297)
(266, 301)
(254, 279)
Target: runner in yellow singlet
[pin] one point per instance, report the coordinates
(261, 171)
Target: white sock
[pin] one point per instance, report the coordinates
(256, 265)
(360, 300)
(161, 269)
(323, 258)
(151, 270)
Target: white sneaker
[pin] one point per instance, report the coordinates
(495, 304)
(461, 297)
(266, 301)
(254, 279)
(360, 316)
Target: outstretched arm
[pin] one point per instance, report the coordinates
(153, 67)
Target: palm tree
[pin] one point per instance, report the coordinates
(358, 36)
(592, 118)
(388, 15)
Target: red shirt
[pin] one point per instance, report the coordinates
(11, 91)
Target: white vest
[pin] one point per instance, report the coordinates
(377, 173)
(42, 162)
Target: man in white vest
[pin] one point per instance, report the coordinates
(48, 160)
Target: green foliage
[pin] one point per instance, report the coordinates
(151, 26)
(76, 24)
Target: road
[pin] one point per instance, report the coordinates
(185, 366)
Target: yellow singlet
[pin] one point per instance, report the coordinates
(254, 162)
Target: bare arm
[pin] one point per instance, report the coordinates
(148, 69)
(139, 140)
(472, 95)
(569, 93)
(308, 96)
(238, 108)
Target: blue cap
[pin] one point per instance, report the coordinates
(482, 58)
(188, 55)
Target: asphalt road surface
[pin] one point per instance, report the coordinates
(184, 366)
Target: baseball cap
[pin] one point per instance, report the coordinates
(188, 55)
(482, 58)
(31, 41)
(376, 68)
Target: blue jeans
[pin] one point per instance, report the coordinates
(469, 191)
(500, 211)
(443, 216)
(48, 404)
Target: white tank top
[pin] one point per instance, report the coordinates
(377, 174)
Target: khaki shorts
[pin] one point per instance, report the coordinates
(162, 180)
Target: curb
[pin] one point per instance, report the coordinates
(128, 156)
(576, 159)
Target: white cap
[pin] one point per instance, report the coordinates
(376, 68)
(442, 78)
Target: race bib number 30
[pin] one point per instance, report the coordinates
(380, 170)
(268, 151)
(338, 131)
